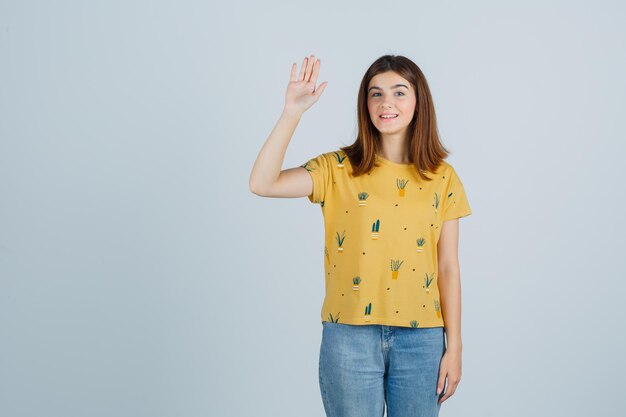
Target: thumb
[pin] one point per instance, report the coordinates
(321, 88)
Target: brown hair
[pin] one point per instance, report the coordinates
(425, 149)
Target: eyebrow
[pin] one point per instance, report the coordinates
(375, 87)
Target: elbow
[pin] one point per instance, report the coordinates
(252, 186)
(254, 189)
(449, 269)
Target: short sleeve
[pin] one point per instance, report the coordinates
(455, 202)
(320, 171)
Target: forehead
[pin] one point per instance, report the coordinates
(387, 80)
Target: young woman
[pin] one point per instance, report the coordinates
(391, 318)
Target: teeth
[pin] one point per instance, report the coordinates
(389, 117)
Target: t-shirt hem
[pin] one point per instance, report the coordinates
(360, 321)
(456, 215)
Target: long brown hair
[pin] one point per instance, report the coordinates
(425, 149)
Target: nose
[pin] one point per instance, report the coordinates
(386, 104)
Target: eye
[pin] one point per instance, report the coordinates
(399, 92)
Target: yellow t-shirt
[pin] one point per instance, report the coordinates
(381, 234)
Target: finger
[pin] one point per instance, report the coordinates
(446, 395)
(441, 384)
(309, 67)
(442, 397)
(449, 392)
(316, 70)
(321, 88)
(292, 77)
(302, 69)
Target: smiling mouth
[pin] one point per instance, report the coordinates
(388, 117)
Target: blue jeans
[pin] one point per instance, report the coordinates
(364, 367)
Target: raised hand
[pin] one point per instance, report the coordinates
(301, 92)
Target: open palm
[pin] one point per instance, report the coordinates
(301, 91)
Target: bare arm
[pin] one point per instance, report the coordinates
(267, 179)
(450, 282)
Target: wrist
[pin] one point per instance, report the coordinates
(292, 113)
(454, 347)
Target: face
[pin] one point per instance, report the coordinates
(389, 93)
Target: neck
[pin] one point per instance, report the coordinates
(394, 148)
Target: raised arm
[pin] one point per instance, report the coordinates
(267, 179)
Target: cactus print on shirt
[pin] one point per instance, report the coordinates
(381, 234)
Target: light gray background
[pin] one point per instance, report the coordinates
(141, 277)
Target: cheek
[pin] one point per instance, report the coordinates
(372, 112)
(408, 107)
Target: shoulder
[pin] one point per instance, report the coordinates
(326, 161)
(335, 158)
(335, 155)
(447, 173)
(445, 169)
